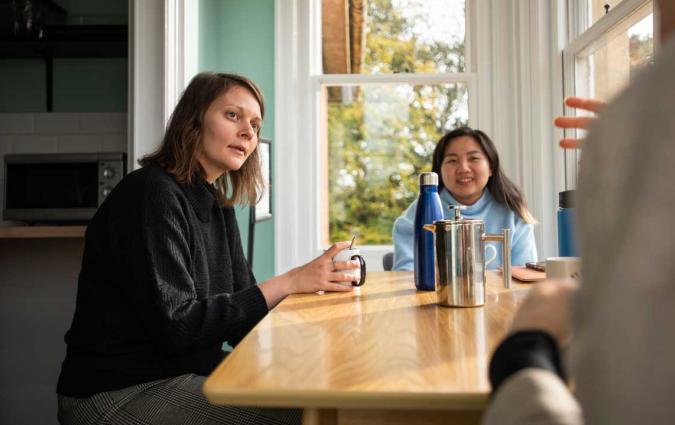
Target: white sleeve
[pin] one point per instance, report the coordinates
(533, 397)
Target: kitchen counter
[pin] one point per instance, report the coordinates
(22, 232)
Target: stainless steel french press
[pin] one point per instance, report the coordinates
(460, 259)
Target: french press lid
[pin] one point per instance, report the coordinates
(457, 219)
(457, 209)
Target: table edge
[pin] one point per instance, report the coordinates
(345, 399)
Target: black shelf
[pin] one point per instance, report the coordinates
(69, 41)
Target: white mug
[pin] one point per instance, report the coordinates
(349, 255)
(494, 255)
(563, 268)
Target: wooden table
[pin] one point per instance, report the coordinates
(384, 354)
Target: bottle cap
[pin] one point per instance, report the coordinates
(429, 179)
(566, 199)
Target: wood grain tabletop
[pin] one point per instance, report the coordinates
(384, 345)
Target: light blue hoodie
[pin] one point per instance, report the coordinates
(496, 216)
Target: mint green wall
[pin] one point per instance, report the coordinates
(80, 85)
(92, 85)
(23, 87)
(95, 12)
(238, 36)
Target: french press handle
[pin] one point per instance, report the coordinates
(505, 239)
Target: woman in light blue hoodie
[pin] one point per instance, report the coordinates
(467, 164)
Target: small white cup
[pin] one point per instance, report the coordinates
(494, 254)
(349, 255)
(563, 268)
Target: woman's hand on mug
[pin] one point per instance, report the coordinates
(322, 274)
(579, 122)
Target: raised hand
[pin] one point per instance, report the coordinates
(591, 105)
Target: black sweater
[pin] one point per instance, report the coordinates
(163, 283)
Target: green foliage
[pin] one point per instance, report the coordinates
(641, 52)
(381, 137)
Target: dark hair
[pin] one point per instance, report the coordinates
(501, 188)
(183, 138)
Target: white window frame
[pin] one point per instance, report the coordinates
(300, 21)
(584, 38)
(514, 50)
(373, 253)
(163, 49)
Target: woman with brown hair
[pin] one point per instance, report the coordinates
(164, 281)
(467, 164)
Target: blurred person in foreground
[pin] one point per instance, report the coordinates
(618, 323)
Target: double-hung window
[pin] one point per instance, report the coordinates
(387, 78)
(611, 42)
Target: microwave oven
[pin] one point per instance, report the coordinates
(59, 187)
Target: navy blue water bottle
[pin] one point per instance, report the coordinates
(429, 209)
(567, 241)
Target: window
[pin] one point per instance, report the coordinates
(606, 66)
(364, 89)
(393, 80)
(599, 8)
(379, 138)
(615, 43)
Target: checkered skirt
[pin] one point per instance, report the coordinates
(177, 400)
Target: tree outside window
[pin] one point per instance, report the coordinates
(379, 137)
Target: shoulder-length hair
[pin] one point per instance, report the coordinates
(501, 188)
(177, 153)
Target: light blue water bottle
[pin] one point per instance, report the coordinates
(429, 209)
(567, 241)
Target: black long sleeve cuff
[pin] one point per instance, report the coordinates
(522, 350)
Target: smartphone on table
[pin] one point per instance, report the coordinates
(539, 265)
